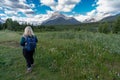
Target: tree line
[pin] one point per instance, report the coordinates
(103, 27)
(107, 27)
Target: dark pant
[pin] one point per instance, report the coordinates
(28, 57)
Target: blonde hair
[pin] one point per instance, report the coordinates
(28, 31)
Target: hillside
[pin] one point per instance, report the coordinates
(110, 18)
(65, 55)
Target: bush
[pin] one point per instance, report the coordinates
(116, 26)
(104, 27)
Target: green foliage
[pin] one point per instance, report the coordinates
(3, 26)
(116, 27)
(65, 55)
(104, 27)
(0, 26)
(11, 25)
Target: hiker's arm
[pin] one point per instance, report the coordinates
(22, 41)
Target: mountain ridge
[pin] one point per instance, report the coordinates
(60, 19)
(110, 18)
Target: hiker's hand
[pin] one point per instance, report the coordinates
(25, 43)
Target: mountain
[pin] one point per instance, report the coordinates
(60, 19)
(1, 21)
(89, 20)
(110, 18)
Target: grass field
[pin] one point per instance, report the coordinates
(66, 55)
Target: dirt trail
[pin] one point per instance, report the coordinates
(13, 44)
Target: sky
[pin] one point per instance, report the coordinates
(36, 11)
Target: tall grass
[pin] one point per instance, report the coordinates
(80, 55)
(66, 55)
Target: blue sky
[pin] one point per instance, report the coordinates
(40, 10)
(82, 7)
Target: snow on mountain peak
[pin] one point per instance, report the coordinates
(57, 15)
(60, 19)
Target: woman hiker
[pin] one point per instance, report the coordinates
(28, 42)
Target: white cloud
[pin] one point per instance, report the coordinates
(37, 19)
(103, 9)
(27, 11)
(1, 8)
(2, 15)
(108, 6)
(61, 5)
(13, 7)
(48, 2)
(10, 13)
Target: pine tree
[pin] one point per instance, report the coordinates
(104, 27)
(116, 26)
(9, 23)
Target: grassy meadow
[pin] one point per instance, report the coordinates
(65, 55)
